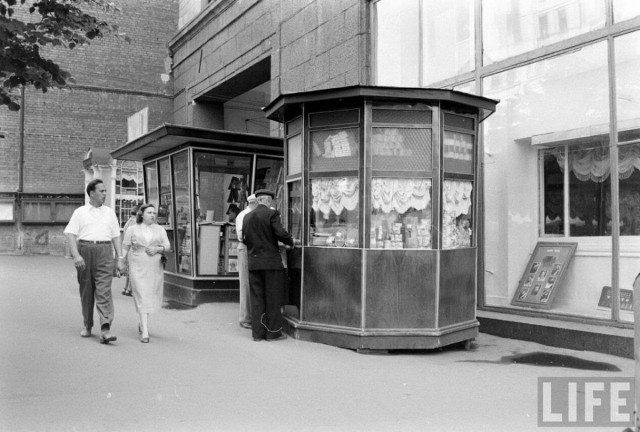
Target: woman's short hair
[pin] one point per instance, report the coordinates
(143, 207)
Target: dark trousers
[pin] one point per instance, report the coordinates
(95, 283)
(267, 294)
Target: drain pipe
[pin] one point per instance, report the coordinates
(20, 170)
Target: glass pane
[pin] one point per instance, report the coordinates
(270, 175)
(151, 174)
(6, 211)
(165, 208)
(401, 149)
(400, 213)
(457, 151)
(334, 212)
(36, 211)
(448, 39)
(511, 27)
(543, 104)
(627, 50)
(553, 181)
(294, 154)
(629, 174)
(294, 221)
(64, 210)
(184, 247)
(457, 214)
(625, 9)
(334, 150)
(397, 42)
(221, 185)
(166, 198)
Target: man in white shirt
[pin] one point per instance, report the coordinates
(243, 267)
(91, 232)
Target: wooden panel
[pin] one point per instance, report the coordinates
(401, 289)
(332, 281)
(457, 286)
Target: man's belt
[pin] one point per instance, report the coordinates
(94, 242)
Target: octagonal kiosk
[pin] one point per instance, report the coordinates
(382, 191)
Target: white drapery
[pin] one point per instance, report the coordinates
(334, 194)
(457, 197)
(593, 164)
(400, 194)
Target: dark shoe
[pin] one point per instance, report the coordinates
(86, 332)
(282, 336)
(245, 325)
(128, 293)
(107, 337)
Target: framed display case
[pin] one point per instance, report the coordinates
(381, 193)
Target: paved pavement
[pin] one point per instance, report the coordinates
(202, 372)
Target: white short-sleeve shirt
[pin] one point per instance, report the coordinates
(93, 223)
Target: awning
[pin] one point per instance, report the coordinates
(172, 137)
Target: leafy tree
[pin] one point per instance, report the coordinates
(26, 29)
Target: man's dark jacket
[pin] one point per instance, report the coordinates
(261, 230)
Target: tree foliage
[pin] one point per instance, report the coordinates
(27, 27)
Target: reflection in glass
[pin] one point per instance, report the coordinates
(625, 9)
(512, 27)
(397, 47)
(627, 49)
(294, 154)
(270, 175)
(448, 39)
(151, 174)
(457, 216)
(457, 151)
(400, 213)
(165, 209)
(334, 210)
(184, 247)
(294, 221)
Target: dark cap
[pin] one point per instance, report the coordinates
(261, 192)
(233, 209)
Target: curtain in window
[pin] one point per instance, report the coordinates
(400, 194)
(593, 164)
(457, 197)
(334, 194)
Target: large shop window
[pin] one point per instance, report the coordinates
(335, 215)
(129, 188)
(513, 27)
(184, 245)
(447, 47)
(589, 187)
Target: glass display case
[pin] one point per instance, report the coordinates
(384, 178)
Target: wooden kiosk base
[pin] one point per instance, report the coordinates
(363, 341)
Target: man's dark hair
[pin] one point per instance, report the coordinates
(141, 212)
(92, 185)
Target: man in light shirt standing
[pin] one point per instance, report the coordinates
(243, 266)
(91, 232)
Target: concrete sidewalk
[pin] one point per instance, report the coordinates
(202, 372)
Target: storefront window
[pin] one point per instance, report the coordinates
(129, 188)
(400, 213)
(540, 104)
(334, 150)
(457, 215)
(335, 209)
(625, 9)
(184, 247)
(294, 146)
(447, 47)
(512, 27)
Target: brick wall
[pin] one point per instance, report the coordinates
(113, 79)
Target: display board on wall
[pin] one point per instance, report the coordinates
(543, 275)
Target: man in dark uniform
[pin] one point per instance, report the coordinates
(262, 230)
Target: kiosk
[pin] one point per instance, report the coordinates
(382, 190)
(199, 179)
